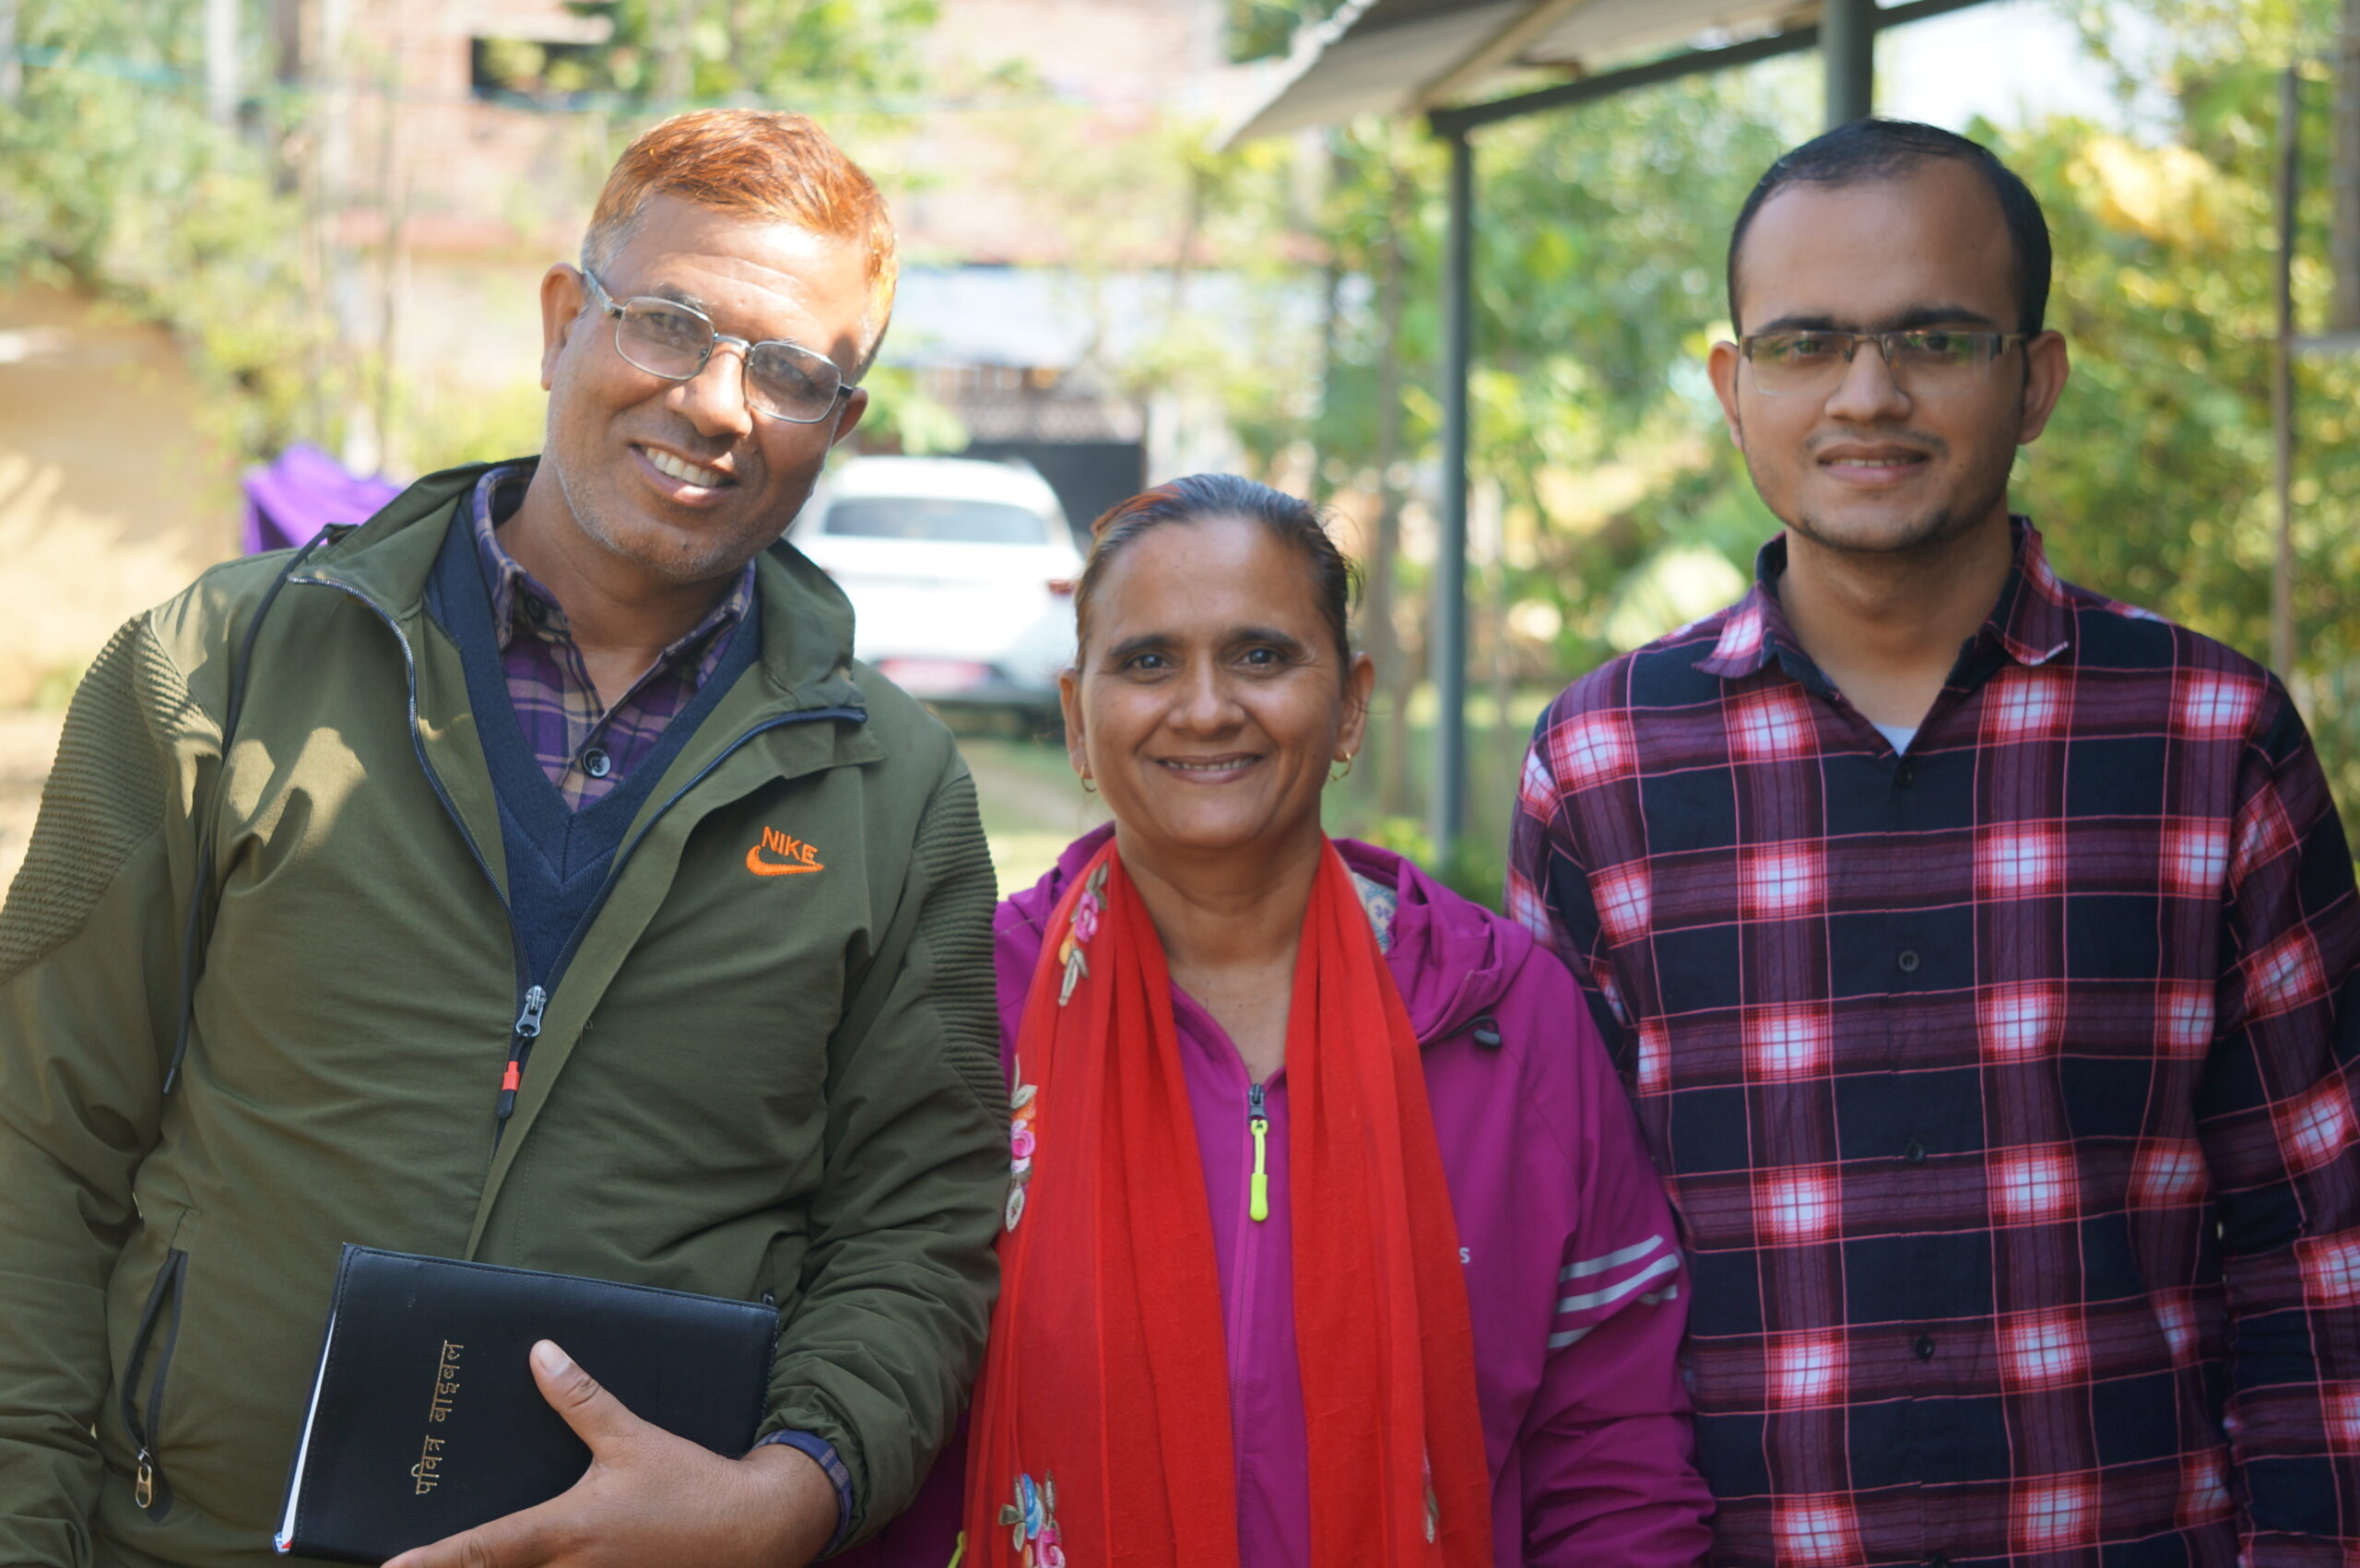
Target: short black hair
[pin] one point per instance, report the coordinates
(1879, 150)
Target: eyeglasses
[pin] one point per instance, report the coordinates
(1923, 364)
(666, 338)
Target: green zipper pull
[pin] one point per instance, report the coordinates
(1258, 1204)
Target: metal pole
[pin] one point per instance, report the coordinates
(1446, 646)
(2281, 377)
(1847, 51)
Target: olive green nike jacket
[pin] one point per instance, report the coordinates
(745, 1080)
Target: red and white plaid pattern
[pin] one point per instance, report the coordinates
(2169, 1172)
(1770, 726)
(1806, 1371)
(2316, 1127)
(2041, 1349)
(2024, 706)
(2331, 1270)
(2021, 1021)
(2196, 858)
(1595, 752)
(2056, 1514)
(1654, 1064)
(1798, 1205)
(1786, 1043)
(2175, 1316)
(1817, 1532)
(1783, 880)
(2184, 1019)
(2285, 976)
(2214, 705)
(2342, 1400)
(2019, 860)
(1997, 1085)
(2035, 1186)
(1624, 898)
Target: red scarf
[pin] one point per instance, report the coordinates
(1101, 1428)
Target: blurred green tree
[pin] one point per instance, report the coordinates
(818, 54)
(115, 182)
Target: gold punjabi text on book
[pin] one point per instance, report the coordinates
(438, 1408)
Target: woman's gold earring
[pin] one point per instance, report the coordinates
(1335, 777)
(1087, 787)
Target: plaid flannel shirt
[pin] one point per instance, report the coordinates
(585, 750)
(2001, 1087)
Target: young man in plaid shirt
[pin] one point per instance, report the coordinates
(1976, 949)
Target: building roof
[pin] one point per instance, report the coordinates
(1406, 56)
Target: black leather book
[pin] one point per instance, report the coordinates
(425, 1420)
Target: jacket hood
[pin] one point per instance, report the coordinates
(1451, 959)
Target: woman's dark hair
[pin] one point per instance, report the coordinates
(1292, 521)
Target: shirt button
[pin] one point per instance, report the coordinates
(1907, 960)
(1915, 1152)
(1925, 1346)
(597, 763)
(1906, 774)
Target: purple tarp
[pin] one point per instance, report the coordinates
(289, 502)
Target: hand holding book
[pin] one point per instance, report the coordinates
(649, 1499)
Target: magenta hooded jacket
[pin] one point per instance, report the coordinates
(1574, 1273)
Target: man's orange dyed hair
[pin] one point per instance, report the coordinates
(754, 163)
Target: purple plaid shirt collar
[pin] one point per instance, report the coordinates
(2032, 620)
(518, 600)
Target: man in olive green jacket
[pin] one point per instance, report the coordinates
(733, 1036)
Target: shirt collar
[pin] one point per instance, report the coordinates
(518, 600)
(2031, 621)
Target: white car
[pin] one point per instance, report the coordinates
(960, 575)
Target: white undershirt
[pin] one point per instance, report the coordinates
(1899, 734)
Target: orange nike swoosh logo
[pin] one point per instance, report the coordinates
(761, 868)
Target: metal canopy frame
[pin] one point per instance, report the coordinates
(1845, 34)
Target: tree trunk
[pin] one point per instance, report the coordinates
(2343, 245)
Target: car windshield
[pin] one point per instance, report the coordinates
(933, 521)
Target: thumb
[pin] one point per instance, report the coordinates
(596, 1417)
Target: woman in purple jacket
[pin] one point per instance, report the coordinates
(1214, 687)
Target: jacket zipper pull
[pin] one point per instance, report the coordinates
(143, 1490)
(1258, 1206)
(529, 1028)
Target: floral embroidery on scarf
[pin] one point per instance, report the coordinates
(1023, 1139)
(1032, 1523)
(1086, 911)
(1025, 1102)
